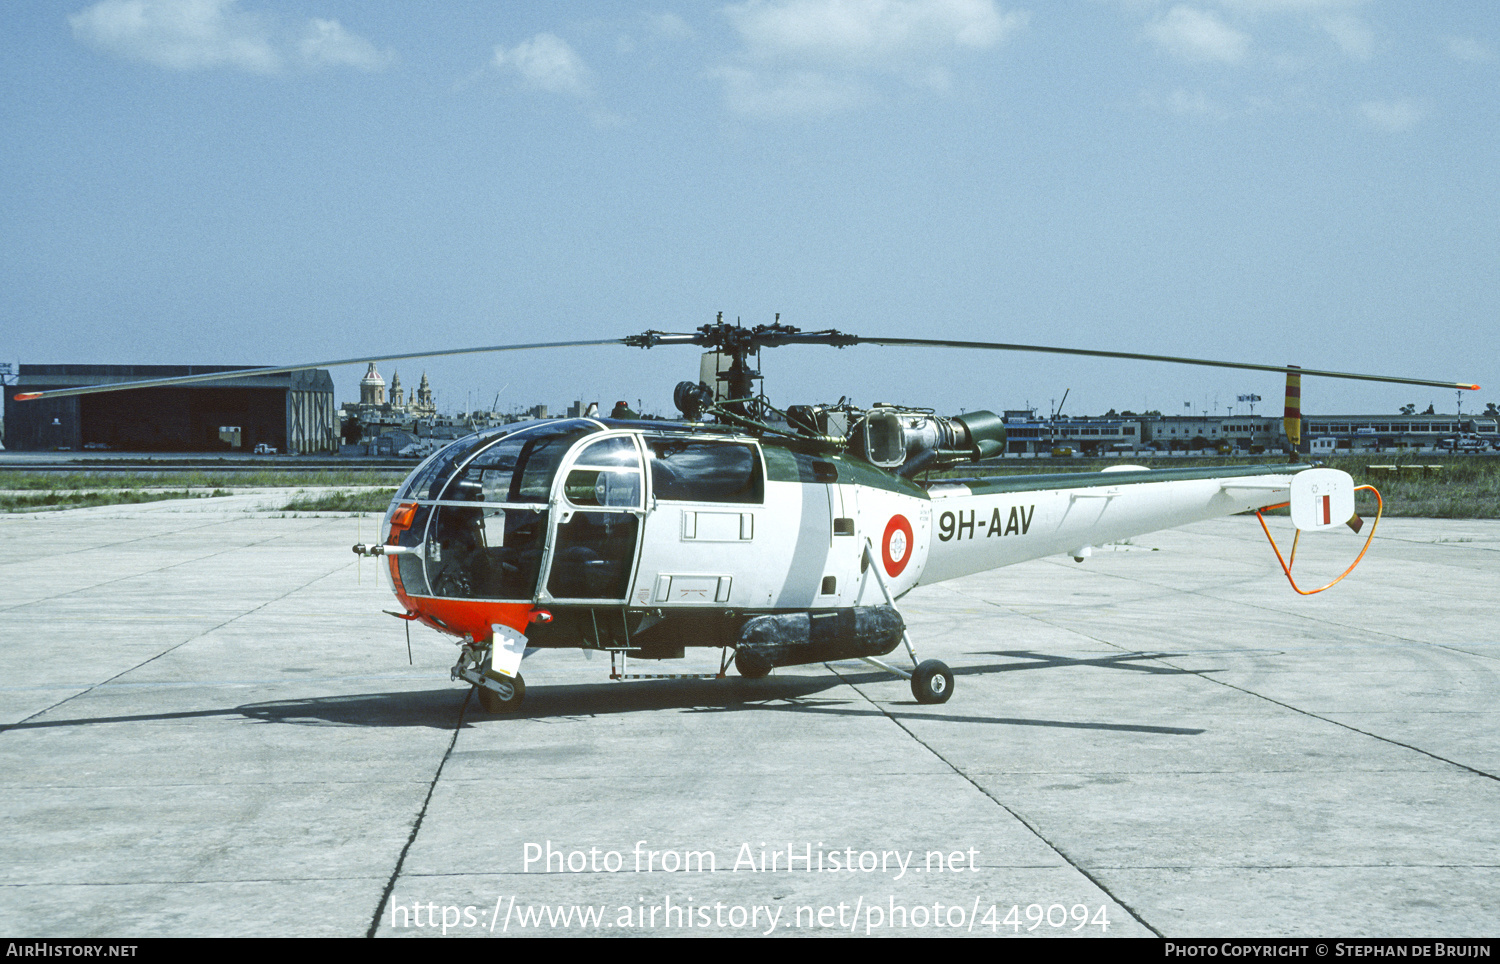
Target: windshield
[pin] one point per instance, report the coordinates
(517, 468)
(481, 519)
(427, 480)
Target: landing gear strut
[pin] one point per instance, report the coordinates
(932, 680)
(497, 694)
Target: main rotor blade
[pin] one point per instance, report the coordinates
(244, 372)
(1138, 356)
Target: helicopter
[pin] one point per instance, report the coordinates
(781, 537)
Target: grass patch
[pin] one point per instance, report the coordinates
(1463, 487)
(197, 478)
(366, 500)
(10, 502)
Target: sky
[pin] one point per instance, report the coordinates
(1310, 182)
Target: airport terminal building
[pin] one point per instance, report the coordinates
(291, 412)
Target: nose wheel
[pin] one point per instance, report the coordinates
(932, 682)
(505, 698)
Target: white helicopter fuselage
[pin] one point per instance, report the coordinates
(644, 539)
(805, 546)
(673, 521)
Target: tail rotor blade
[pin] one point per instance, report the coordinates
(1291, 419)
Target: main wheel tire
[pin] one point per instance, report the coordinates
(492, 702)
(751, 665)
(932, 682)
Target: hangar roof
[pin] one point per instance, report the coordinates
(69, 376)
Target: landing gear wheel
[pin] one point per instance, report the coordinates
(492, 702)
(750, 665)
(932, 682)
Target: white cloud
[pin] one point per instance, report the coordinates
(1353, 36)
(671, 26)
(179, 34)
(1184, 103)
(818, 57)
(1392, 116)
(788, 93)
(1288, 6)
(207, 34)
(1196, 35)
(866, 31)
(546, 62)
(325, 43)
(1466, 48)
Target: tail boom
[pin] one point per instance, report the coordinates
(975, 530)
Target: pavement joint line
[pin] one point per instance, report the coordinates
(1247, 537)
(1310, 867)
(201, 784)
(1252, 535)
(1446, 544)
(1353, 729)
(32, 560)
(1036, 831)
(1466, 652)
(204, 684)
(184, 880)
(1194, 868)
(151, 572)
(615, 875)
(93, 686)
(1272, 700)
(1305, 617)
(416, 827)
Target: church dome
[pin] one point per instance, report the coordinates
(372, 388)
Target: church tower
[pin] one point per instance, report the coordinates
(371, 389)
(398, 394)
(423, 402)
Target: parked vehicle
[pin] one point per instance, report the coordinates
(1464, 443)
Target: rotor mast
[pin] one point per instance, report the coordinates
(741, 345)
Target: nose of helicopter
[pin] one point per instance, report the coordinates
(477, 620)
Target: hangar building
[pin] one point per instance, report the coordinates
(292, 411)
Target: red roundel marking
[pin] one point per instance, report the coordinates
(896, 547)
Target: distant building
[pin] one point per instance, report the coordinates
(378, 416)
(373, 408)
(1367, 433)
(423, 405)
(372, 389)
(1244, 433)
(1028, 434)
(291, 411)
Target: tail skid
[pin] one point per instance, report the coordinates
(1307, 501)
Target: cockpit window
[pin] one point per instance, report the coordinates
(427, 480)
(693, 470)
(536, 465)
(606, 473)
(517, 468)
(484, 552)
(611, 451)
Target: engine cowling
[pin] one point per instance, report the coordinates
(912, 441)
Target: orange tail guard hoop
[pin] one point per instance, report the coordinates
(1286, 563)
